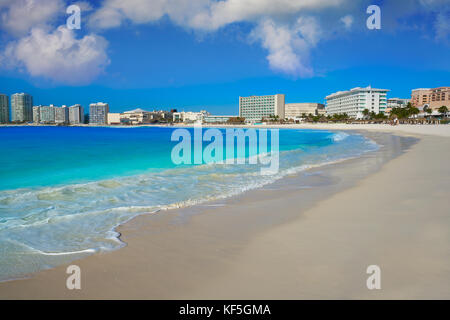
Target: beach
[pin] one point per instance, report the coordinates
(388, 208)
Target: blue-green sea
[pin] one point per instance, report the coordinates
(63, 190)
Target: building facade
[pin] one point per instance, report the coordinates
(98, 113)
(62, 115)
(76, 114)
(37, 114)
(356, 100)
(21, 107)
(4, 108)
(433, 98)
(298, 110)
(114, 118)
(47, 114)
(257, 108)
(190, 117)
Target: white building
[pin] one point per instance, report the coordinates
(256, 108)
(98, 113)
(297, 110)
(76, 114)
(354, 101)
(190, 116)
(397, 103)
(62, 115)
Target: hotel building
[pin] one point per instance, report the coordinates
(62, 115)
(37, 114)
(76, 114)
(355, 101)
(433, 98)
(21, 107)
(98, 113)
(4, 108)
(190, 117)
(47, 114)
(297, 110)
(256, 108)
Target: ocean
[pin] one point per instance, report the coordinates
(63, 190)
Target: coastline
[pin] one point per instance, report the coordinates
(216, 252)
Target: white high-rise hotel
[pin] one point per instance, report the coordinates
(354, 101)
(256, 108)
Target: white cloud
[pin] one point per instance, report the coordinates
(19, 16)
(289, 45)
(442, 25)
(347, 21)
(59, 55)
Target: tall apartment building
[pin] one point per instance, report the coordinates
(98, 113)
(47, 114)
(256, 108)
(433, 98)
(21, 107)
(354, 101)
(62, 115)
(37, 114)
(4, 108)
(297, 110)
(76, 114)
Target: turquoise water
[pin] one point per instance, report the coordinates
(63, 190)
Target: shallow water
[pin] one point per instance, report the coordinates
(64, 190)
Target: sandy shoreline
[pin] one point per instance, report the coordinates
(318, 245)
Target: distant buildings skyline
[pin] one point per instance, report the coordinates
(253, 108)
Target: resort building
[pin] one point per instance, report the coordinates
(37, 114)
(113, 118)
(136, 117)
(76, 114)
(62, 115)
(4, 108)
(433, 98)
(216, 119)
(47, 114)
(21, 107)
(356, 100)
(190, 117)
(396, 103)
(298, 110)
(257, 108)
(98, 113)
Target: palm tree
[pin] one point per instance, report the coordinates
(443, 110)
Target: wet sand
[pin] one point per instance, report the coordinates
(304, 237)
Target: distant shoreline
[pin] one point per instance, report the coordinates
(414, 129)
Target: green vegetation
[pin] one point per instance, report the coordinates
(404, 113)
(443, 110)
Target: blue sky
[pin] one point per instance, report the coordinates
(204, 56)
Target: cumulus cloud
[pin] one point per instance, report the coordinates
(19, 16)
(59, 56)
(289, 46)
(286, 38)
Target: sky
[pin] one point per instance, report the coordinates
(204, 54)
